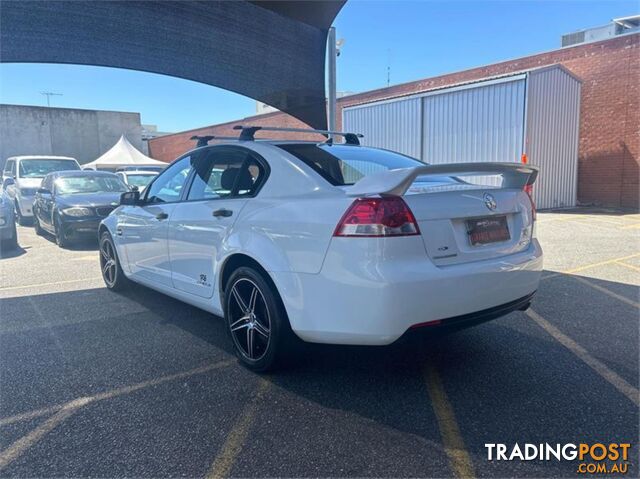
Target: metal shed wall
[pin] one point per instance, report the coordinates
(553, 115)
(499, 119)
(392, 125)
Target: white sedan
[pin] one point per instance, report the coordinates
(328, 243)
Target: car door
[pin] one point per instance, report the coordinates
(44, 201)
(142, 229)
(225, 178)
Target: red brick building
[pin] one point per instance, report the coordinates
(609, 156)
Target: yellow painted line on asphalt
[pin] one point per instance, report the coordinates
(53, 283)
(459, 459)
(630, 266)
(606, 291)
(232, 447)
(90, 257)
(114, 392)
(17, 448)
(589, 266)
(607, 374)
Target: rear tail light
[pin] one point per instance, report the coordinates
(528, 189)
(389, 216)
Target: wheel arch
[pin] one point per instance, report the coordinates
(238, 260)
(235, 261)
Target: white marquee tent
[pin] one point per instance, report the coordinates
(122, 153)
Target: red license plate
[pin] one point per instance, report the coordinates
(490, 229)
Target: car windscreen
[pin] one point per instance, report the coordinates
(41, 167)
(140, 180)
(72, 185)
(345, 165)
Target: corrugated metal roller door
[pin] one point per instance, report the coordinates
(475, 125)
(394, 125)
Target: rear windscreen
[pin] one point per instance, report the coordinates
(345, 165)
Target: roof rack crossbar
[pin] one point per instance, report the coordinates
(247, 133)
(204, 140)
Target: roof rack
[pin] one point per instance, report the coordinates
(247, 133)
(204, 140)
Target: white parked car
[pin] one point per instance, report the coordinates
(329, 243)
(22, 176)
(138, 178)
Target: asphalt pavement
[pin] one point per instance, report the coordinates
(99, 384)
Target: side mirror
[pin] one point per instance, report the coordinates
(43, 191)
(130, 198)
(8, 182)
(134, 188)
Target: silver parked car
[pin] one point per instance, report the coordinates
(8, 233)
(22, 175)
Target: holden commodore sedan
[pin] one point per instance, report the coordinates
(327, 243)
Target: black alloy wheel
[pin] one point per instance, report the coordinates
(112, 273)
(256, 320)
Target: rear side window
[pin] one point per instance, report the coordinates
(346, 165)
(226, 172)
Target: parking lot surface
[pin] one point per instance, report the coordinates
(95, 383)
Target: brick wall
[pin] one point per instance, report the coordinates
(608, 168)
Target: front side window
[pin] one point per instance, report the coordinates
(226, 173)
(73, 185)
(10, 167)
(168, 186)
(41, 167)
(47, 183)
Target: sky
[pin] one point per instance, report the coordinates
(416, 39)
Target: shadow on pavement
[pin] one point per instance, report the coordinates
(508, 381)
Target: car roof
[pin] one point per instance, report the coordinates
(41, 157)
(138, 172)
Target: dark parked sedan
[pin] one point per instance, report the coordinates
(71, 204)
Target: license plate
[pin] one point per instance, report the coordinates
(490, 229)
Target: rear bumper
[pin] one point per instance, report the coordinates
(361, 299)
(471, 319)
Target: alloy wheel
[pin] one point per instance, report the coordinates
(249, 319)
(108, 262)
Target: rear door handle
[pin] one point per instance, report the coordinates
(162, 216)
(222, 213)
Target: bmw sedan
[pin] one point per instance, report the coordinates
(71, 204)
(327, 243)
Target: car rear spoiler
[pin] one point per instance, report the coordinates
(397, 182)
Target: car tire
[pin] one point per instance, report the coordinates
(257, 321)
(61, 238)
(36, 225)
(112, 274)
(22, 221)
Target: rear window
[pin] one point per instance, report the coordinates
(345, 165)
